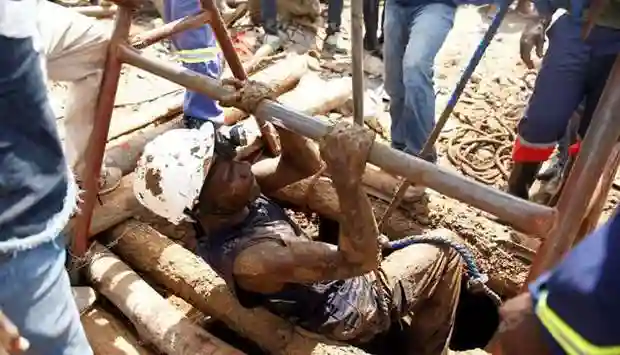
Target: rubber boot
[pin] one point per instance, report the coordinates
(521, 178)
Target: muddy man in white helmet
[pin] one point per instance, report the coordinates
(340, 292)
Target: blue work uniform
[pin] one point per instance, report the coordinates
(573, 71)
(578, 301)
(197, 49)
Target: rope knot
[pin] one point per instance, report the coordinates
(248, 94)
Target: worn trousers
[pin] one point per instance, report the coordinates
(572, 72)
(269, 14)
(430, 278)
(75, 49)
(413, 37)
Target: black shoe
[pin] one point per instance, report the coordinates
(521, 178)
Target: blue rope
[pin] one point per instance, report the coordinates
(477, 280)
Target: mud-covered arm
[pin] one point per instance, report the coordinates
(345, 151)
(299, 159)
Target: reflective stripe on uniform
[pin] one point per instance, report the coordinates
(199, 55)
(568, 339)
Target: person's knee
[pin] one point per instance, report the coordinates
(418, 73)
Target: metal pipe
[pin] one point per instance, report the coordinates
(596, 148)
(447, 112)
(528, 216)
(221, 34)
(101, 125)
(147, 38)
(236, 67)
(357, 54)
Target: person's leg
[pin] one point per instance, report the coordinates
(371, 22)
(333, 42)
(599, 70)
(558, 92)
(75, 51)
(428, 30)
(397, 36)
(269, 16)
(430, 278)
(37, 297)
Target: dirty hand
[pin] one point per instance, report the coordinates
(345, 149)
(10, 340)
(533, 37)
(519, 331)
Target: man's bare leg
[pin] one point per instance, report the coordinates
(75, 49)
(431, 281)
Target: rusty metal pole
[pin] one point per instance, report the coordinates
(357, 61)
(528, 216)
(597, 202)
(98, 139)
(269, 135)
(147, 38)
(597, 147)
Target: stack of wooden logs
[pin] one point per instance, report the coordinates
(125, 244)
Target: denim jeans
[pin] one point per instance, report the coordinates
(413, 36)
(36, 295)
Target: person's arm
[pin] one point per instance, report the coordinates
(345, 149)
(299, 159)
(572, 309)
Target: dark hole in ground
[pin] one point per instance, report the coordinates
(221, 331)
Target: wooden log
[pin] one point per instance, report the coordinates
(115, 207)
(125, 151)
(322, 199)
(155, 319)
(282, 77)
(109, 336)
(96, 11)
(327, 96)
(192, 279)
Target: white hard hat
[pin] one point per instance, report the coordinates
(172, 170)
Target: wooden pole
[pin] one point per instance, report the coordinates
(156, 320)
(109, 336)
(188, 276)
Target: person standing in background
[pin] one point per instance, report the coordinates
(414, 32)
(197, 50)
(372, 43)
(333, 40)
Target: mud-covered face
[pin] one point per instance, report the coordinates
(229, 187)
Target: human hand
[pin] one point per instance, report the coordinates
(10, 340)
(345, 149)
(533, 38)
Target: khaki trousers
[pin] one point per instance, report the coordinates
(75, 49)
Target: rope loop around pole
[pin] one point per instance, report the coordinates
(248, 94)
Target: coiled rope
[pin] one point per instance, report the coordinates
(477, 281)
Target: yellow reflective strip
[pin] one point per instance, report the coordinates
(570, 341)
(198, 55)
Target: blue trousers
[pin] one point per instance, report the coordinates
(413, 36)
(36, 296)
(572, 71)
